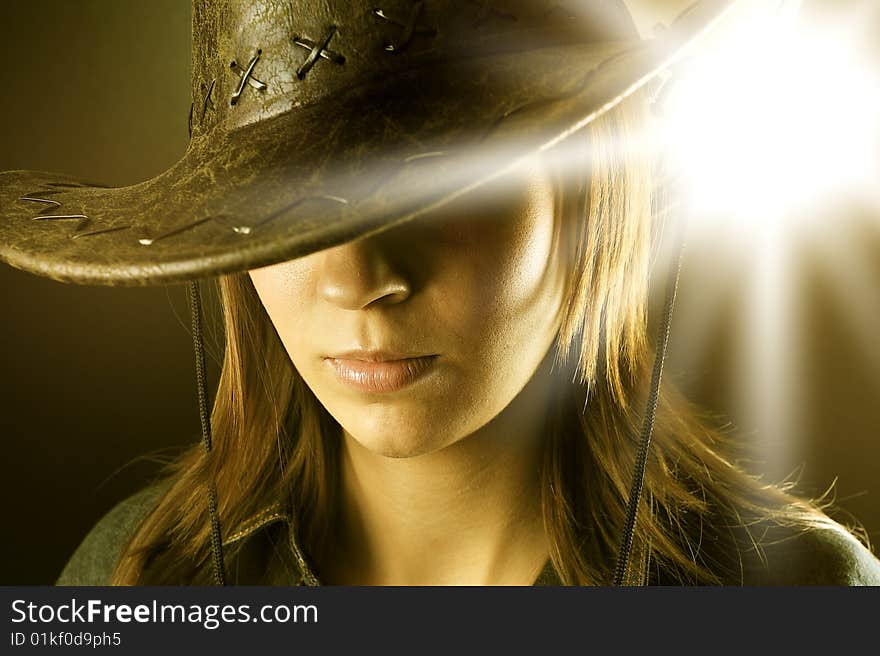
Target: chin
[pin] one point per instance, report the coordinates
(394, 435)
(400, 450)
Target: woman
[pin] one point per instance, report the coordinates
(457, 398)
(441, 403)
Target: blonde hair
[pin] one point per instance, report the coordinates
(272, 438)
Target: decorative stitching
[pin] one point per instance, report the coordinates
(45, 213)
(257, 521)
(273, 507)
(246, 230)
(245, 76)
(40, 200)
(100, 231)
(52, 217)
(250, 529)
(308, 577)
(207, 101)
(410, 27)
(149, 241)
(84, 222)
(318, 49)
(243, 230)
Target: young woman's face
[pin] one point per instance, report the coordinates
(417, 337)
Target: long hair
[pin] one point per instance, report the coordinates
(272, 437)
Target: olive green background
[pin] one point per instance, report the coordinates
(97, 383)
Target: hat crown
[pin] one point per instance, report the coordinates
(253, 60)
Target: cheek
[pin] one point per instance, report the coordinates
(523, 262)
(502, 278)
(287, 292)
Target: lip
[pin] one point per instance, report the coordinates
(380, 371)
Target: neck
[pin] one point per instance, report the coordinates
(467, 514)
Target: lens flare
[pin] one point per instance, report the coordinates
(774, 135)
(779, 116)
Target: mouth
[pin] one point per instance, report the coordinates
(378, 371)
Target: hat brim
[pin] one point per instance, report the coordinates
(317, 176)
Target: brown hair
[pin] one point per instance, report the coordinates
(273, 438)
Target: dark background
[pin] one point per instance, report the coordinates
(97, 383)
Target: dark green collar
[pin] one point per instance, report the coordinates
(264, 551)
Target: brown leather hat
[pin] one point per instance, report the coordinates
(317, 122)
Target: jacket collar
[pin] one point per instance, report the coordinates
(264, 550)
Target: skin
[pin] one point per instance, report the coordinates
(440, 479)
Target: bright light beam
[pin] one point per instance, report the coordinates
(778, 116)
(768, 128)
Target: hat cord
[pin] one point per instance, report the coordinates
(647, 431)
(195, 307)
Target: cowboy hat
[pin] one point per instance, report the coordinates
(316, 123)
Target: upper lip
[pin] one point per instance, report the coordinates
(377, 355)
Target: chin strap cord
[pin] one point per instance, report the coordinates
(195, 308)
(635, 494)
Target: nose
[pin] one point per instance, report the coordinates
(361, 274)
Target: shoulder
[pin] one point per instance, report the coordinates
(94, 560)
(827, 555)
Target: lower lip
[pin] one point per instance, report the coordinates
(388, 376)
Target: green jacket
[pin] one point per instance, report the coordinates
(266, 553)
(264, 547)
